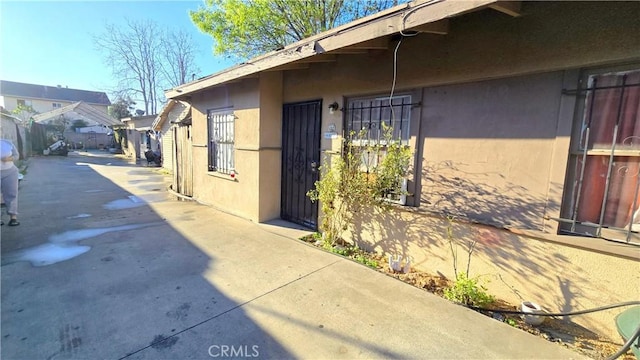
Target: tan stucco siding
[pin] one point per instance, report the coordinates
(238, 195)
(270, 153)
(484, 45)
(492, 144)
(514, 268)
(487, 148)
(509, 135)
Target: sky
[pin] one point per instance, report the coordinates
(51, 42)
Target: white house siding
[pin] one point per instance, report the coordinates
(168, 151)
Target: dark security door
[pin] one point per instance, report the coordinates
(300, 161)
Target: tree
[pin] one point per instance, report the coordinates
(145, 59)
(79, 123)
(177, 54)
(247, 28)
(133, 54)
(24, 112)
(121, 107)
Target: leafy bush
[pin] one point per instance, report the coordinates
(346, 186)
(468, 292)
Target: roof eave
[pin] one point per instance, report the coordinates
(162, 116)
(388, 22)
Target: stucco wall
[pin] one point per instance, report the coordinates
(549, 36)
(270, 154)
(505, 141)
(493, 144)
(239, 195)
(487, 149)
(513, 268)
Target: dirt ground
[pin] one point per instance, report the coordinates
(567, 334)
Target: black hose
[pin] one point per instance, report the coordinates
(618, 353)
(601, 308)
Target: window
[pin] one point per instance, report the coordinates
(22, 102)
(57, 105)
(370, 123)
(367, 117)
(605, 159)
(221, 141)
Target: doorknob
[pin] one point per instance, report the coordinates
(314, 166)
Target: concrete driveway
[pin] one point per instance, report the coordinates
(107, 265)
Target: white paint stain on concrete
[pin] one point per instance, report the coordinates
(79, 216)
(77, 235)
(48, 254)
(131, 202)
(63, 246)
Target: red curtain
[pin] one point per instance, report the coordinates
(602, 108)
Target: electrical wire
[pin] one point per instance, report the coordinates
(395, 72)
(395, 52)
(411, 11)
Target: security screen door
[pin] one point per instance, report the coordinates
(300, 161)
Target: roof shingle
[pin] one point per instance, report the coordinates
(33, 91)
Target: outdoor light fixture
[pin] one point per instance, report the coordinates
(333, 107)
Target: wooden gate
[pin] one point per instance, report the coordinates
(300, 161)
(183, 167)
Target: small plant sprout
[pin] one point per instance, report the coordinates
(465, 290)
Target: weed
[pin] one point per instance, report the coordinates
(366, 261)
(344, 251)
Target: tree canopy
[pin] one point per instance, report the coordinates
(121, 107)
(246, 28)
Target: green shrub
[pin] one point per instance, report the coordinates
(346, 185)
(468, 292)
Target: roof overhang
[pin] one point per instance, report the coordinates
(164, 113)
(80, 110)
(420, 15)
(15, 119)
(166, 110)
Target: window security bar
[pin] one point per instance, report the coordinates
(611, 157)
(592, 88)
(371, 115)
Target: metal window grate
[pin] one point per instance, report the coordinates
(605, 163)
(369, 124)
(365, 118)
(221, 141)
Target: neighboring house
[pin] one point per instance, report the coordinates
(44, 98)
(173, 116)
(12, 128)
(501, 103)
(98, 129)
(140, 136)
(95, 137)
